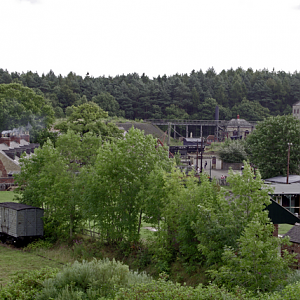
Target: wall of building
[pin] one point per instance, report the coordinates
(7, 165)
(296, 111)
(233, 166)
(294, 248)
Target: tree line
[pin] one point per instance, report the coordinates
(253, 95)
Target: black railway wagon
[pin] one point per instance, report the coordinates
(20, 221)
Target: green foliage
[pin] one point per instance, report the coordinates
(25, 286)
(188, 96)
(177, 196)
(221, 220)
(89, 117)
(268, 146)
(91, 280)
(173, 112)
(251, 110)
(52, 179)
(108, 103)
(114, 195)
(161, 289)
(39, 244)
(256, 265)
(20, 105)
(233, 151)
(44, 134)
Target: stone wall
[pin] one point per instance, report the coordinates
(233, 166)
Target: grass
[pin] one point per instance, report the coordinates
(7, 196)
(14, 261)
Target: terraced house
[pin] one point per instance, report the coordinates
(13, 143)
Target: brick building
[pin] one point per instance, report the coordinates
(294, 235)
(12, 145)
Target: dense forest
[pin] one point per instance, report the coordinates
(253, 95)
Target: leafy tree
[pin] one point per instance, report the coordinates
(44, 134)
(59, 113)
(52, 178)
(233, 151)
(268, 145)
(107, 102)
(174, 112)
(20, 105)
(256, 265)
(251, 110)
(114, 193)
(206, 110)
(89, 117)
(221, 221)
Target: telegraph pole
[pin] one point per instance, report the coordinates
(288, 163)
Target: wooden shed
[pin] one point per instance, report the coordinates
(21, 220)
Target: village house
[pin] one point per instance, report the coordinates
(238, 128)
(296, 110)
(13, 143)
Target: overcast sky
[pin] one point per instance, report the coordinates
(155, 37)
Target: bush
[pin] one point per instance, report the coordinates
(39, 244)
(233, 151)
(161, 289)
(25, 286)
(91, 280)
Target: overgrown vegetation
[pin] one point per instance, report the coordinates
(233, 151)
(268, 146)
(92, 175)
(252, 94)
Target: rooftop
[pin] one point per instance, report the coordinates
(282, 179)
(239, 123)
(17, 206)
(294, 234)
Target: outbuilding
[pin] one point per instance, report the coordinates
(20, 220)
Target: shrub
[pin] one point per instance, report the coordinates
(38, 245)
(161, 289)
(233, 151)
(95, 279)
(26, 285)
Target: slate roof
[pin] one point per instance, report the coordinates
(148, 128)
(294, 234)
(17, 206)
(238, 122)
(3, 147)
(282, 179)
(286, 189)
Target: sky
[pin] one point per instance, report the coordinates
(155, 37)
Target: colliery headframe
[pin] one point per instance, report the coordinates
(235, 128)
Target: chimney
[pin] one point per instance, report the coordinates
(15, 138)
(25, 137)
(5, 140)
(238, 116)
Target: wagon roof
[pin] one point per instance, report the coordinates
(17, 206)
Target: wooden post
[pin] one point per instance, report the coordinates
(169, 132)
(288, 164)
